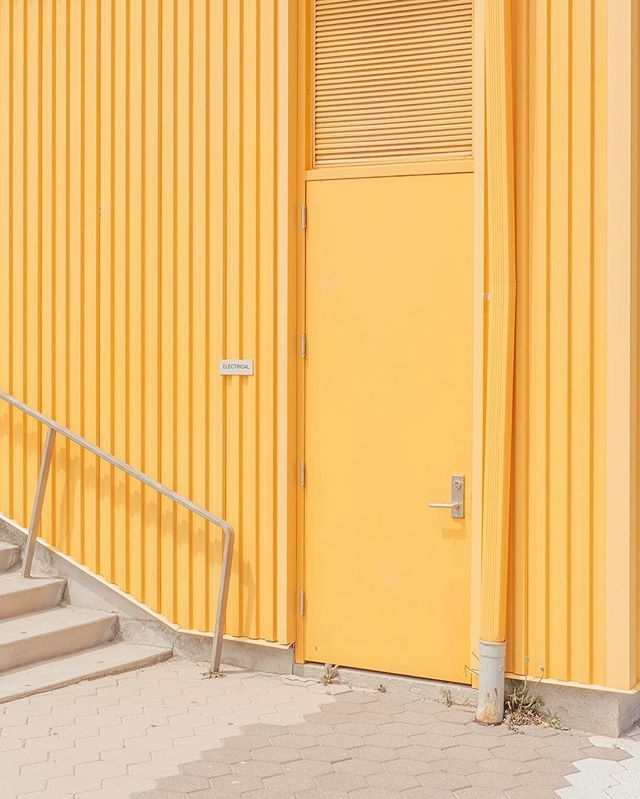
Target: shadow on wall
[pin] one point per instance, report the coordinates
(123, 530)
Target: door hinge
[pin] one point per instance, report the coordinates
(303, 474)
(303, 216)
(302, 603)
(303, 345)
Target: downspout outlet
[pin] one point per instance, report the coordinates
(491, 683)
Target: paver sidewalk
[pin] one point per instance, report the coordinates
(165, 732)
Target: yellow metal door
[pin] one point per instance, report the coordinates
(388, 422)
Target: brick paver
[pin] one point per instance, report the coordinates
(166, 732)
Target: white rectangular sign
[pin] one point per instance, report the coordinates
(236, 367)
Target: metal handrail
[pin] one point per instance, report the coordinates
(34, 524)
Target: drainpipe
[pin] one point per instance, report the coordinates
(501, 278)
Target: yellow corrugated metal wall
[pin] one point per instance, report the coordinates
(139, 213)
(557, 554)
(141, 204)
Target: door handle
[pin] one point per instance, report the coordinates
(456, 506)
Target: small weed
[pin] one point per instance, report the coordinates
(522, 707)
(210, 674)
(330, 674)
(447, 697)
(381, 689)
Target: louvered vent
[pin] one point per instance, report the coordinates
(392, 80)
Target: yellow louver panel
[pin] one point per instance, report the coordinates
(392, 80)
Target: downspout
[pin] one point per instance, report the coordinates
(501, 280)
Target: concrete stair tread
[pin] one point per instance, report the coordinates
(13, 581)
(20, 595)
(110, 658)
(52, 633)
(66, 620)
(44, 621)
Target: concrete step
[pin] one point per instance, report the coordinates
(20, 595)
(111, 658)
(51, 634)
(9, 556)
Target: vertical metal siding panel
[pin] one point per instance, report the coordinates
(216, 273)
(517, 630)
(32, 231)
(233, 165)
(167, 268)
(10, 254)
(138, 247)
(135, 301)
(104, 265)
(249, 311)
(198, 316)
(90, 297)
(598, 220)
(287, 227)
(74, 283)
(119, 283)
(183, 279)
(635, 189)
(150, 287)
(539, 332)
(47, 236)
(635, 111)
(6, 120)
(559, 337)
(17, 256)
(581, 444)
(58, 266)
(266, 331)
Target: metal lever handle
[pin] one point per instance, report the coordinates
(456, 506)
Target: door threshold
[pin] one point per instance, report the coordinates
(449, 693)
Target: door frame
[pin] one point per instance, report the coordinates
(303, 134)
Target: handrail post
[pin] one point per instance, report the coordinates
(229, 535)
(223, 593)
(38, 501)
